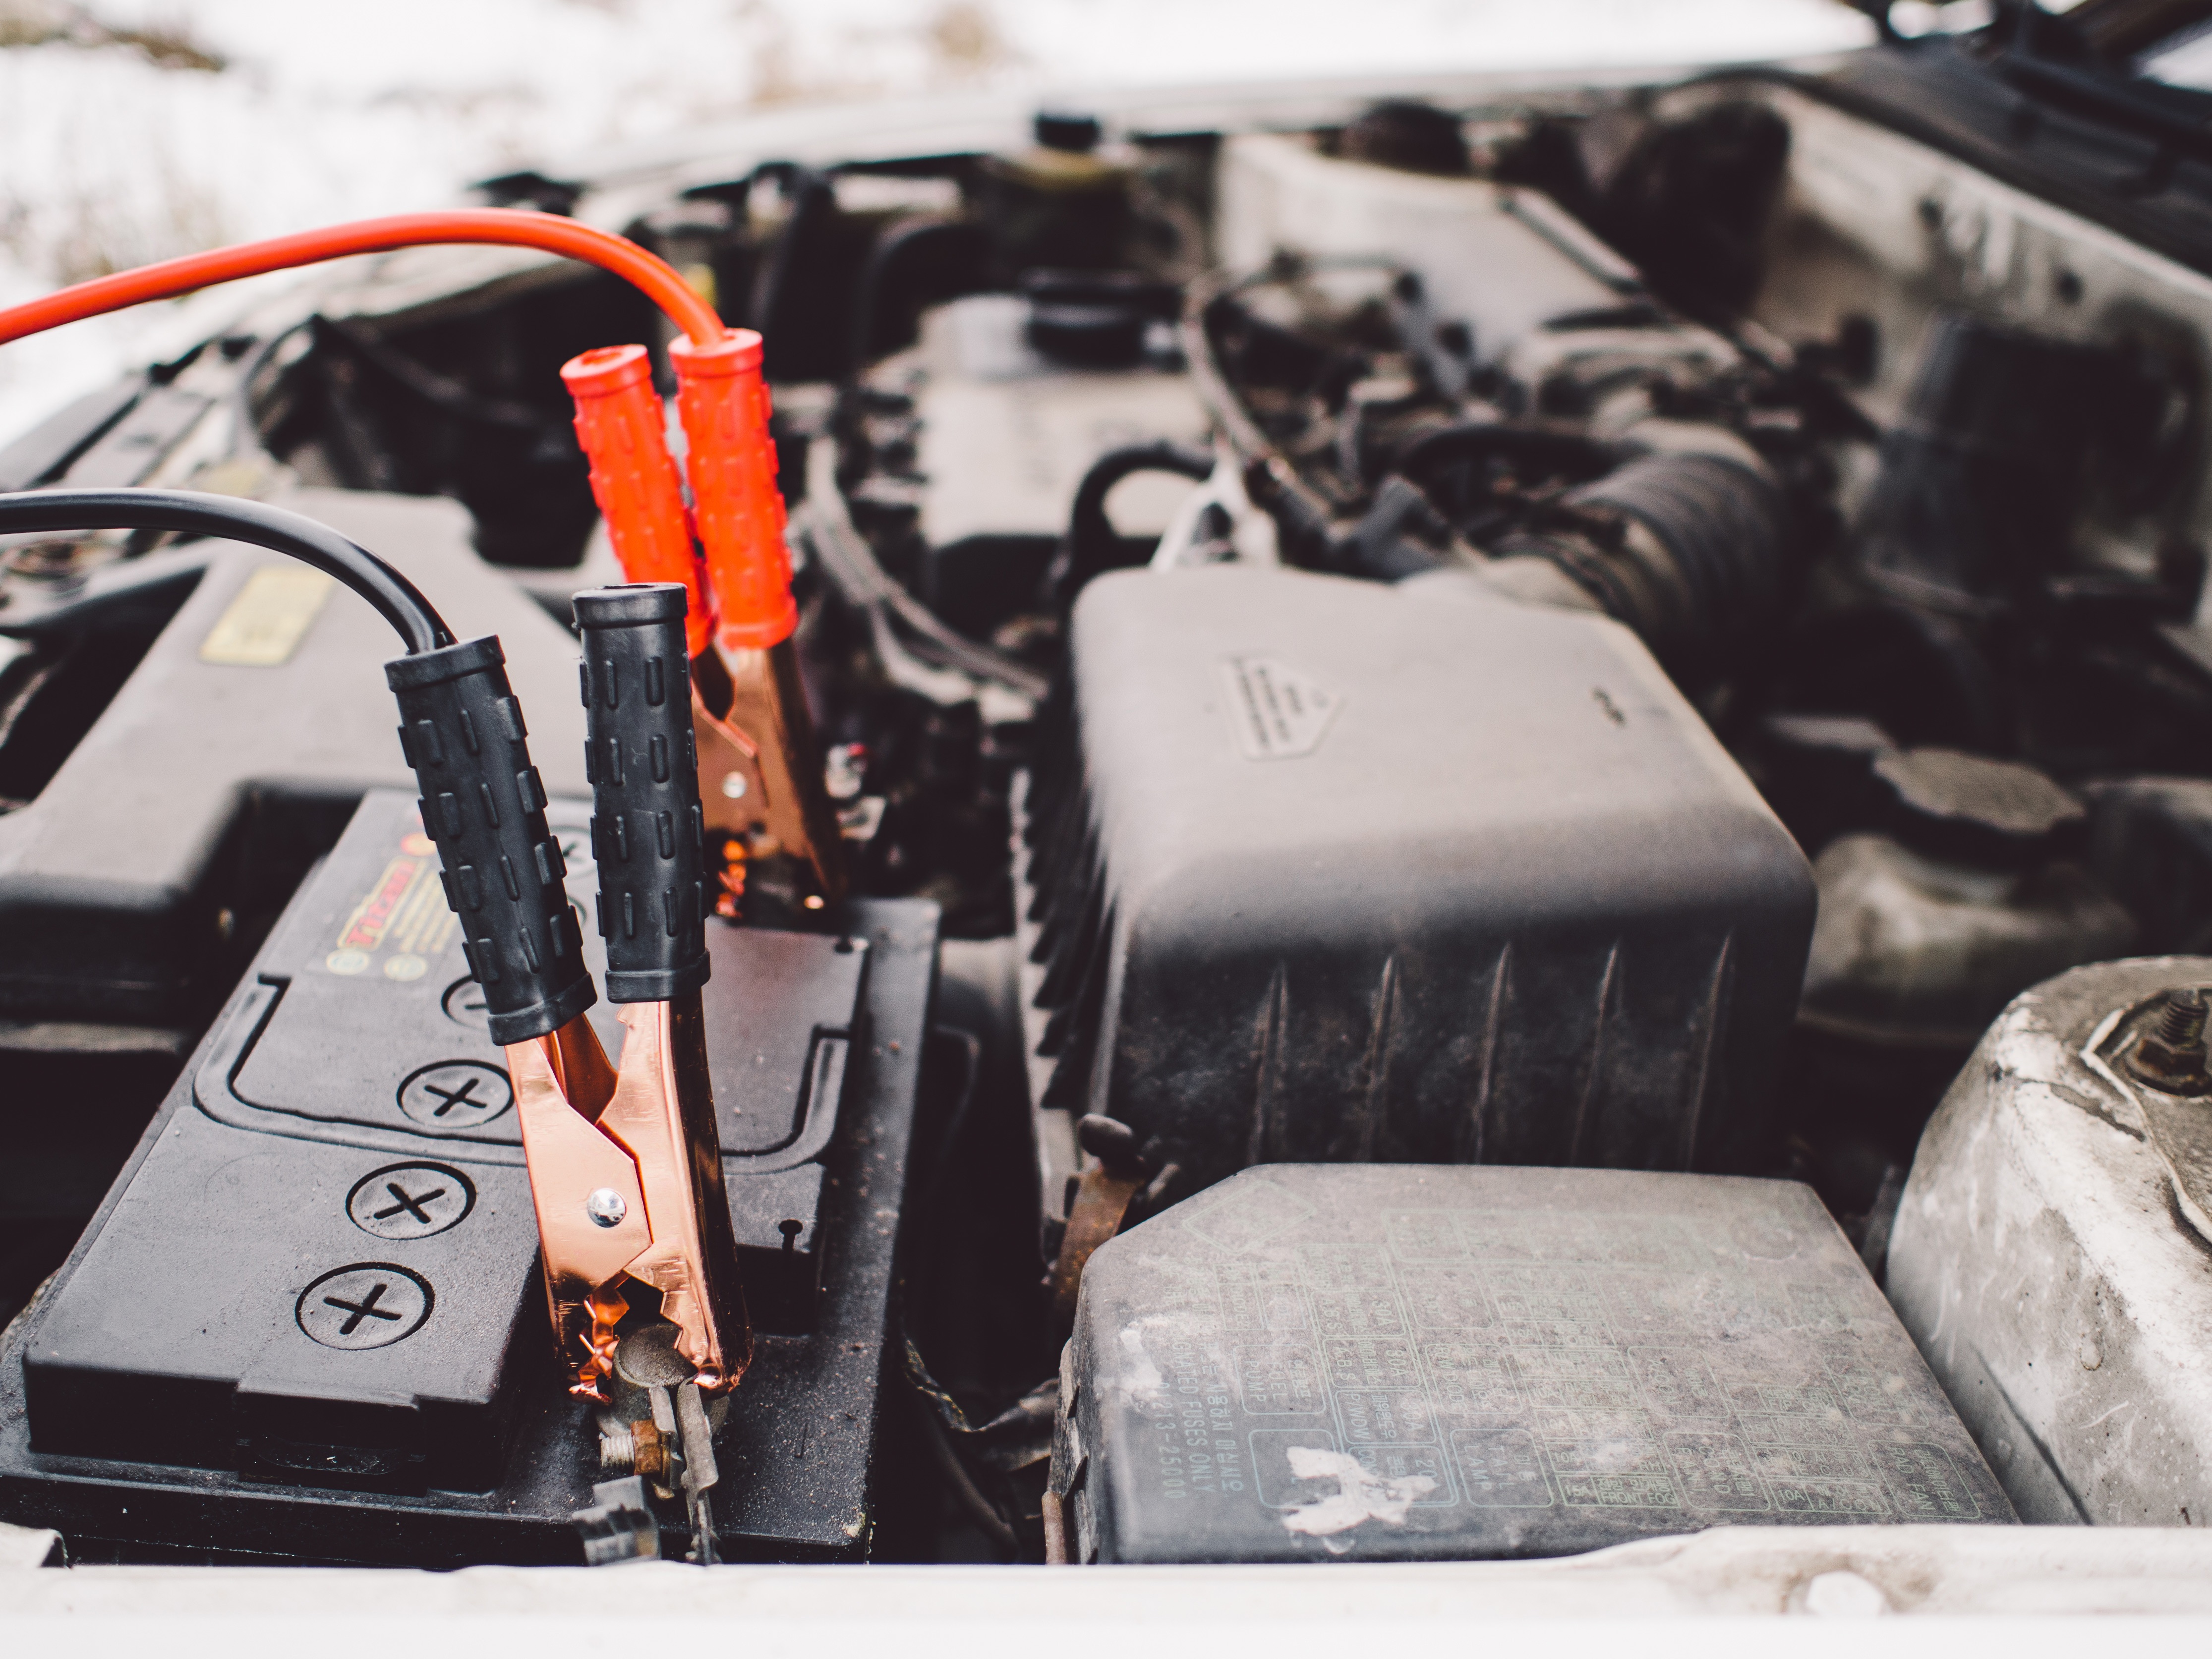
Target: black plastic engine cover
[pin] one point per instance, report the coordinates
(258, 716)
(1331, 872)
(307, 1322)
(1398, 1363)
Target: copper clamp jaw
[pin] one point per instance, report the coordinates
(626, 1174)
(758, 780)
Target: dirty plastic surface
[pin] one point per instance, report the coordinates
(1393, 1362)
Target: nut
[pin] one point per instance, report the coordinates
(652, 1457)
(2170, 1055)
(640, 1449)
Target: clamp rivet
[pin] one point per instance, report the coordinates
(605, 1207)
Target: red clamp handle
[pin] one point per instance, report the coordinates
(724, 403)
(634, 477)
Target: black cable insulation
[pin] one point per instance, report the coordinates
(247, 432)
(186, 513)
(1089, 548)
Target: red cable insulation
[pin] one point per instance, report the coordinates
(506, 227)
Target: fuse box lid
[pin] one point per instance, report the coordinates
(1394, 1362)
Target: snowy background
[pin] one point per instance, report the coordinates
(135, 130)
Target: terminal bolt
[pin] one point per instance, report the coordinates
(636, 1449)
(2170, 1054)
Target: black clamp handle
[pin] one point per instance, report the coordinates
(461, 731)
(647, 832)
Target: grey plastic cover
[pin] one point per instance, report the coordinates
(1392, 1362)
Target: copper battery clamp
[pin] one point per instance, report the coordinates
(625, 1163)
(625, 1170)
(759, 767)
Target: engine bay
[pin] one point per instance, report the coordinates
(1471, 806)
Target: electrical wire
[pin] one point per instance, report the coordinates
(1089, 547)
(246, 431)
(1210, 379)
(860, 580)
(501, 227)
(1302, 517)
(184, 512)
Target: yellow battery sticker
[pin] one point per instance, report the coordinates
(266, 619)
(401, 925)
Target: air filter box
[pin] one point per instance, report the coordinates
(1399, 1362)
(1326, 870)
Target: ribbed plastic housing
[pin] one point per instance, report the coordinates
(634, 479)
(724, 403)
(1327, 871)
(646, 832)
(461, 730)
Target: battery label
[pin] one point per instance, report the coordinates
(266, 619)
(401, 925)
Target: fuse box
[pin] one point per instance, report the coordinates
(1399, 1362)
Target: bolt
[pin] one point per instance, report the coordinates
(618, 1451)
(639, 1448)
(842, 774)
(605, 1207)
(733, 784)
(2181, 1026)
(2170, 1056)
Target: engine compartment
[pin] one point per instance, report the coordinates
(1566, 630)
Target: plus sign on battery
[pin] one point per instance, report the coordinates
(368, 1305)
(455, 1094)
(410, 1200)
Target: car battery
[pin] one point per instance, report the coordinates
(1397, 1362)
(308, 1322)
